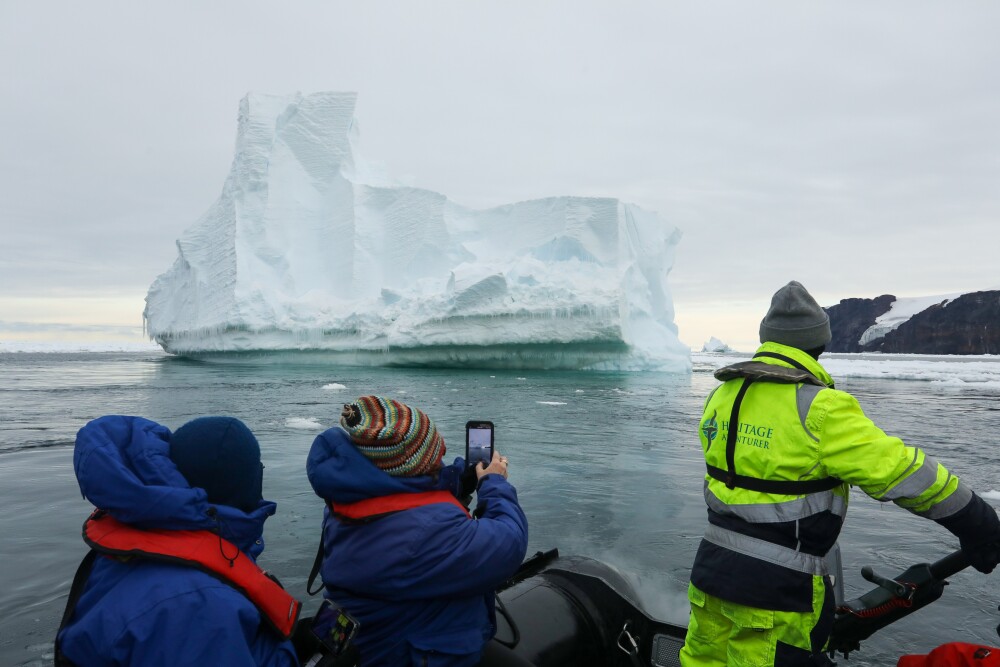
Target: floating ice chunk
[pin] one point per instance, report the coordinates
(334, 386)
(550, 402)
(304, 423)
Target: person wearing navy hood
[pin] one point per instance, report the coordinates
(400, 552)
(171, 578)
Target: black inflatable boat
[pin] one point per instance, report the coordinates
(573, 611)
(569, 610)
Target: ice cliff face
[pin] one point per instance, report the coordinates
(309, 249)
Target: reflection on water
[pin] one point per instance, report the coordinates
(606, 464)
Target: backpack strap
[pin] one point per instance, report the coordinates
(317, 563)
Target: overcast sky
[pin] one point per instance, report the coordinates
(853, 146)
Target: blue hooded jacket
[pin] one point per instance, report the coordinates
(149, 613)
(420, 581)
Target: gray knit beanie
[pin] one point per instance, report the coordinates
(795, 319)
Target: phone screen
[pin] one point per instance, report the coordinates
(478, 443)
(334, 627)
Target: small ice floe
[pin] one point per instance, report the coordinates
(991, 495)
(305, 423)
(522, 378)
(550, 402)
(578, 391)
(334, 386)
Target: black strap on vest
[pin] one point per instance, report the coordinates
(782, 487)
(75, 591)
(733, 480)
(731, 433)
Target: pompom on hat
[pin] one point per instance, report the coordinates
(795, 319)
(398, 439)
(221, 456)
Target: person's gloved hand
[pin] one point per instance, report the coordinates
(467, 485)
(977, 528)
(983, 557)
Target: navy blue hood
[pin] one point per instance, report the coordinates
(123, 466)
(340, 473)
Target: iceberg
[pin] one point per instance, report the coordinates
(713, 344)
(312, 250)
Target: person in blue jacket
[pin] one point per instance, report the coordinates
(400, 553)
(195, 492)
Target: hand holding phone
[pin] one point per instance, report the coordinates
(478, 443)
(498, 466)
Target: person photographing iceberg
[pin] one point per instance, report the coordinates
(400, 552)
(172, 578)
(782, 448)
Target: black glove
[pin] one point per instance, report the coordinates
(977, 528)
(467, 486)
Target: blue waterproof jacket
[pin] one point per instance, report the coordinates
(420, 581)
(152, 613)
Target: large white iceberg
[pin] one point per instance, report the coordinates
(310, 249)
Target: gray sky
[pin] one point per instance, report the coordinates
(853, 146)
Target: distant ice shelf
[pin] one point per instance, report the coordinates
(312, 252)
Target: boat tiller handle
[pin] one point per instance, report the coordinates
(891, 585)
(629, 644)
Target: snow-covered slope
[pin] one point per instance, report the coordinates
(311, 249)
(901, 311)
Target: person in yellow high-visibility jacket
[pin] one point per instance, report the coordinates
(782, 448)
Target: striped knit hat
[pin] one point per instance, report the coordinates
(398, 439)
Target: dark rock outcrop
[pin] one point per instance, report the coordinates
(851, 317)
(969, 324)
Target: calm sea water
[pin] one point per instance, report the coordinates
(606, 465)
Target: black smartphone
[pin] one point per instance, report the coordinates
(478, 443)
(334, 627)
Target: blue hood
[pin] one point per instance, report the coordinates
(123, 466)
(340, 473)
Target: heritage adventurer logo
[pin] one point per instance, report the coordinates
(746, 434)
(711, 429)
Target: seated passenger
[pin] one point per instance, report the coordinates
(400, 552)
(170, 509)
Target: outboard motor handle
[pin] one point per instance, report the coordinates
(891, 585)
(891, 600)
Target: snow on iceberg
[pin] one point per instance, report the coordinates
(312, 250)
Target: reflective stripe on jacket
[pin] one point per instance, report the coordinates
(762, 548)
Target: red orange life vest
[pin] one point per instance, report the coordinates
(201, 549)
(954, 654)
(376, 508)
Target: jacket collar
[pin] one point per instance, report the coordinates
(812, 365)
